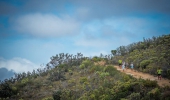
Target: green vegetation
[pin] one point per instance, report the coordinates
(147, 55)
(68, 77)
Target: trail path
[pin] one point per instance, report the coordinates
(163, 82)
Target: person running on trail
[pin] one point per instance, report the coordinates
(159, 71)
(120, 63)
(131, 66)
(123, 66)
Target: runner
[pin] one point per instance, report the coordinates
(131, 66)
(123, 66)
(120, 63)
(159, 71)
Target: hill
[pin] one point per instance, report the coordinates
(147, 55)
(74, 77)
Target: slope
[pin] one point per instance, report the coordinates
(136, 74)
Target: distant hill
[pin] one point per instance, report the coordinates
(74, 77)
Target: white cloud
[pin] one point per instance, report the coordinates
(82, 13)
(18, 65)
(47, 25)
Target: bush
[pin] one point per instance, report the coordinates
(92, 96)
(57, 95)
(111, 70)
(71, 82)
(62, 65)
(14, 90)
(70, 72)
(134, 96)
(126, 78)
(38, 84)
(96, 59)
(48, 98)
(5, 90)
(125, 86)
(56, 75)
(145, 63)
(102, 74)
(83, 79)
(155, 94)
(82, 66)
(95, 68)
(87, 63)
(166, 95)
(104, 97)
(149, 83)
(24, 81)
(84, 97)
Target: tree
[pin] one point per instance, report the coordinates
(113, 52)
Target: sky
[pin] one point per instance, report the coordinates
(31, 31)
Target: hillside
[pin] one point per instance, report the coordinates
(74, 77)
(136, 74)
(147, 55)
(89, 81)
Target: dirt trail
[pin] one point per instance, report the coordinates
(163, 82)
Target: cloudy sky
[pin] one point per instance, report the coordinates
(31, 31)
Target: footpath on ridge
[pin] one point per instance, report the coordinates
(163, 82)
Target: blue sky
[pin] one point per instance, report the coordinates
(31, 31)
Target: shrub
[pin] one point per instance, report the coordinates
(84, 97)
(104, 97)
(24, 81)
(166, 95)
(111, 70)
(68, 94)
(83, 79)
(92, 96)
(134, 96)
(57, 95)
(5, 90)
(102, 74)
(123, 99)
(96, 59)
(48, 98)
(38, 84)
(82, 66)
(144, 63)
(126, 78)
(149, 83)
(56, 75)
(70, 72)
(71, 82)
(125, 86)
(155, 94)
(154, 59)
(95, 68)
(136, 86)
(14, 90)
(87, 63)
(61, 65)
